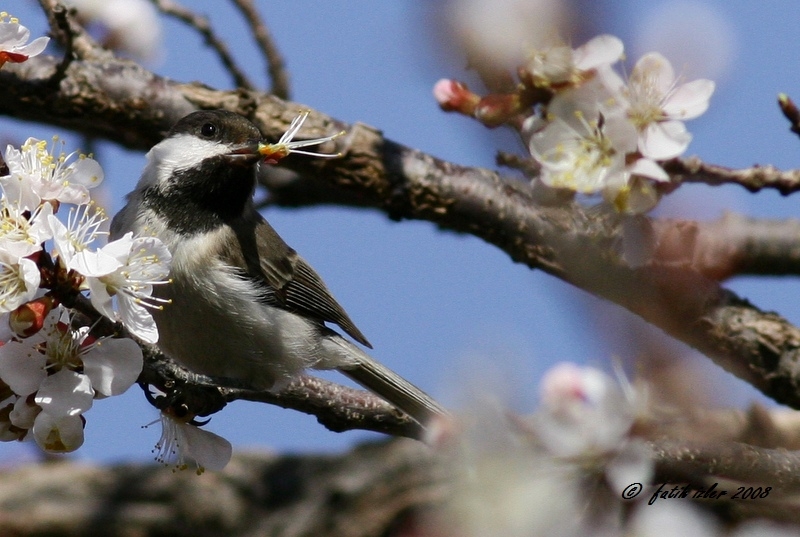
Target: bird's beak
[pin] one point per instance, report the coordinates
(244, 155)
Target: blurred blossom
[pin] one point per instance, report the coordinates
(673, 518)
(496, 34)
(554, 64)
(560, 472)
(594, 132)
(694, 35)
(500, 475)
(130, 26)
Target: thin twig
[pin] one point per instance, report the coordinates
(65, 36)
(69, 33)
(693, 170)
(790, 112)
(202, 25)
(276, 67)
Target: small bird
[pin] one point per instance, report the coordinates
(241, 304)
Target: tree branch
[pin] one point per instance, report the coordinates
(276, 67)
(203, 26)
(336, 407)
(122, 102)
(693, 170)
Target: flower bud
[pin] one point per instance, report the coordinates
(454, 96)
(28, 319)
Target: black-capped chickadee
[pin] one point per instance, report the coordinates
(242, 304)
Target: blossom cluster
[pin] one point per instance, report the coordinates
(52, 367)
(590, 129)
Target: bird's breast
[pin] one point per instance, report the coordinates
(216, 325)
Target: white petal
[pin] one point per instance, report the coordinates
(689, 100)
(5, 328)
(93, 263)
(21, 367)
(209, 450)
(648, 168)
(653, 70)
(13, 36)
(601, 50)
(621, 132)
(40, 227)
(150, 248)
(24, 414)
(65, 393)
(101, 300)
(87, 172)
(137, 320)
(113, 365)
(633, 464)
(58, 434)
(664, 140)
(74, 194)
(33, 48)
(120, 248)
(582, 411)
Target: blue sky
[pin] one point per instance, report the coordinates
(452, 314)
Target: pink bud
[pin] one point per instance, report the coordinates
(454, 96)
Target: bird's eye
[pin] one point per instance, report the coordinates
(208, 130)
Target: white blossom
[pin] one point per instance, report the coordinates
(657, 105)
(14, 46)
(74, 242)
(584, 413)
(142, 262)
(19, 281)
(23, 234)
(64, 370)
(58, 434)
(182, 442)
(583, 151)
(36, 174)
(582, 410)
(561, 66)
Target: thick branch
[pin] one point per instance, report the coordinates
(733, 245)
(362, 493)
(337, 407)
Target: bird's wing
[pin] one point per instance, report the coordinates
(287, 280)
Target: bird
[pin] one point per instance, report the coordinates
(241, 304)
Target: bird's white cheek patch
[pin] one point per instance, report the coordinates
(181, 152)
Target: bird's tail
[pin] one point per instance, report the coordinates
(390, 386)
